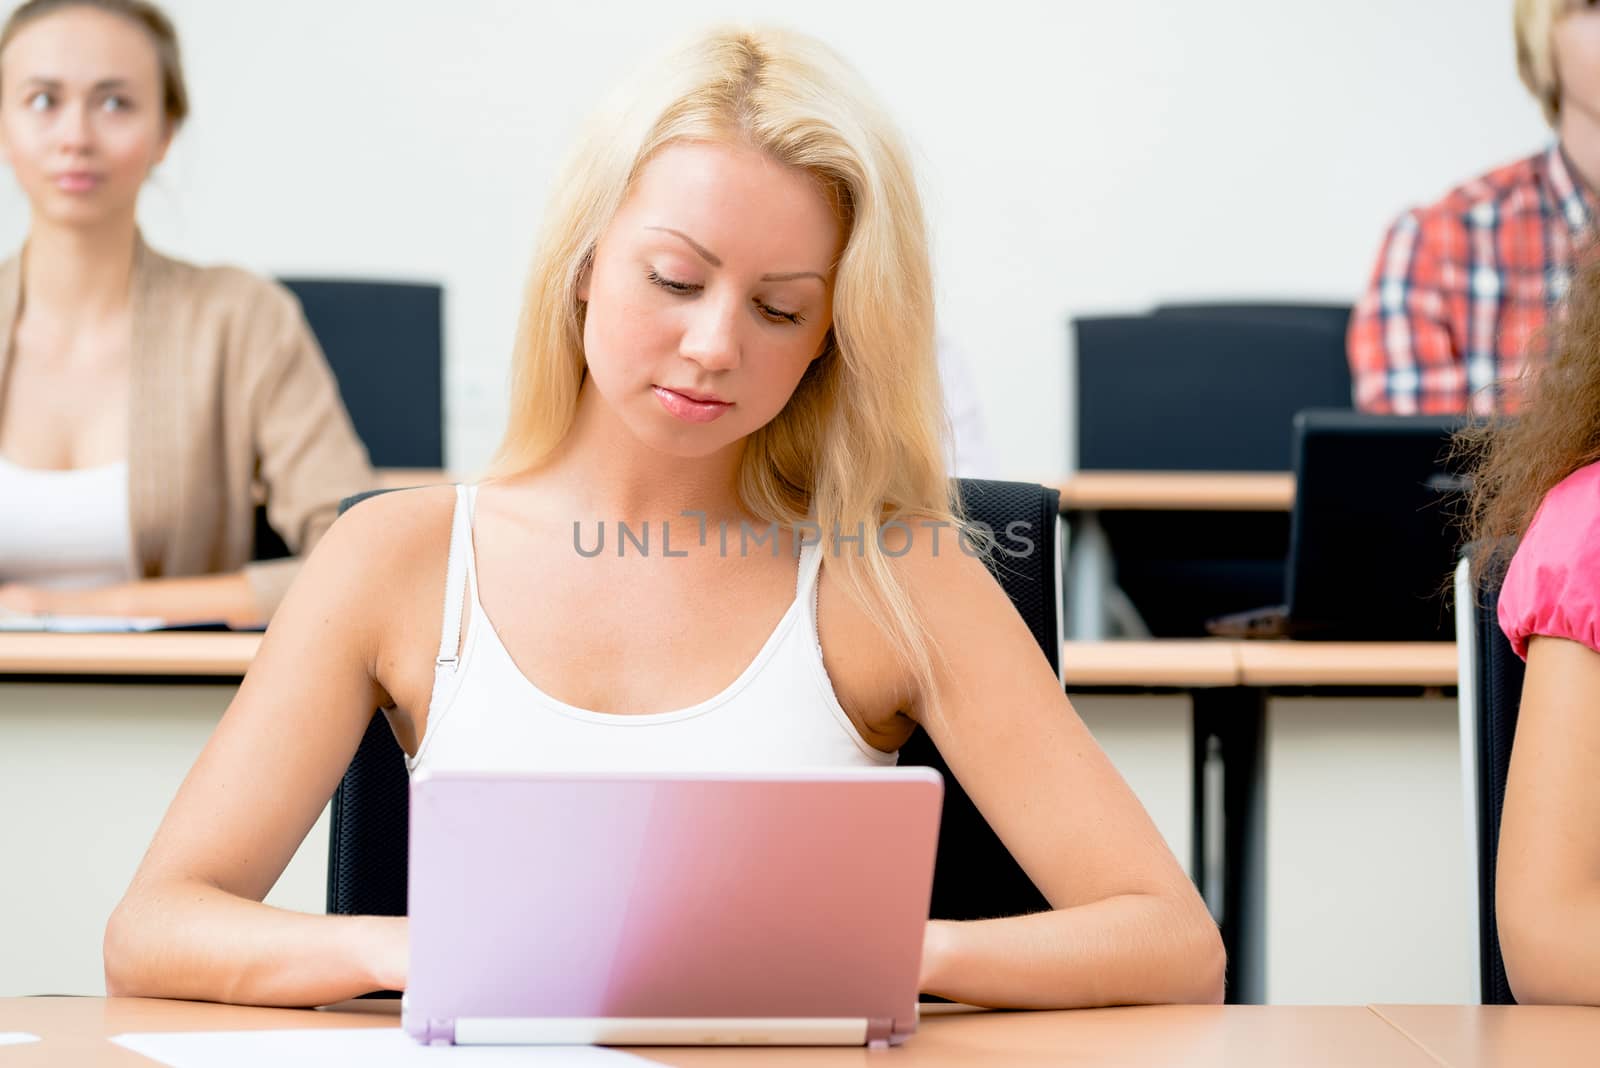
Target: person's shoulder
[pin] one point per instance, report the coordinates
(386, 536)
(1552, 586)
(1579, 489)
(225, 290)
(1494, 190)
(1567, 521)
(398, 522)
(941, 560)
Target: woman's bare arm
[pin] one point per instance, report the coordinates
(1127, 925)
(192, 924)
(1548, 871)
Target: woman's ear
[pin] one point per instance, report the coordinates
(826, 346)
(585, 273)
(169, 130)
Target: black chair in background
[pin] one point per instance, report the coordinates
(1327, 316)
(1202, 388)
(974, 875)
(1490, 694)
(385, 344)
(1184, 391)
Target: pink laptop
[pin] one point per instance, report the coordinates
(671, 908)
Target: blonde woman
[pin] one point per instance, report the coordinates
(144, 402)
(1462, 286)
(729, 326)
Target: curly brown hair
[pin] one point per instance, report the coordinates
(1519, 460)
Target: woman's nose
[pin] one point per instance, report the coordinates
(74, 130)
(712, 337)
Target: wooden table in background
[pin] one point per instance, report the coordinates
(1176, 491)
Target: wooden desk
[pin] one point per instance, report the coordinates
(1331, 664)
(1182, 665)
(1134, 665)
(1204, 663)
(1176, 491)
(1501, 1036)
(74, 1033)
(1175, 664)
(191, 653)
(96, 733)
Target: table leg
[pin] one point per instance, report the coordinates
(1230, 829)
(1088, 577)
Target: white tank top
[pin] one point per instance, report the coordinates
(485, 715)
(65, 529)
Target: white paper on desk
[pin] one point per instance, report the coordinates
(81, 624)
(344, 1047)
(16, 1038)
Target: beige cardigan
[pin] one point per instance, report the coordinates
(232, 402)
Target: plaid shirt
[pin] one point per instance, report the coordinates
(1463, 285)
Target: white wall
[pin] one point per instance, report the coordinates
(1080, 155)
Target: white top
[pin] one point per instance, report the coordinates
(65, 529)
(485, 715)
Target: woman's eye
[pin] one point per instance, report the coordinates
(776, 315)
(115, 103)
(40, 101)
(671, 286)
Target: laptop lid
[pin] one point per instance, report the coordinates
(676, 908)
(1373, 538)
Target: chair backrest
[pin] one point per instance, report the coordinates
(974, 875)
(1490, 693)
(385, 344)
(1329, 316)
(1222, 388)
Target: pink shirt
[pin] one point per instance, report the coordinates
(1553, 585)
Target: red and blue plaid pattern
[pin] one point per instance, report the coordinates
(1462, 287)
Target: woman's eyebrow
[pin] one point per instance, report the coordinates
(716, 261)
(38, 81)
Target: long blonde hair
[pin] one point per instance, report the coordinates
(861, 441)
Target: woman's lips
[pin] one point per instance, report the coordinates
(689, 409)
(77, 182)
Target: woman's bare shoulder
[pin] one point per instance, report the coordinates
(375, 552)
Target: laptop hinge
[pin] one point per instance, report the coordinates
(881, 1033)
(663, 1031)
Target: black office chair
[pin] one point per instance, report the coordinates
(1190, 392)
(1202, 388)
(1490, 693)
(385, 345)
(974, 876)
(1329, 316)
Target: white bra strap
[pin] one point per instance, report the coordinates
(810, 567)
(455, 577)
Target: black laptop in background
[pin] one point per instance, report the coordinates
(1374, 535)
